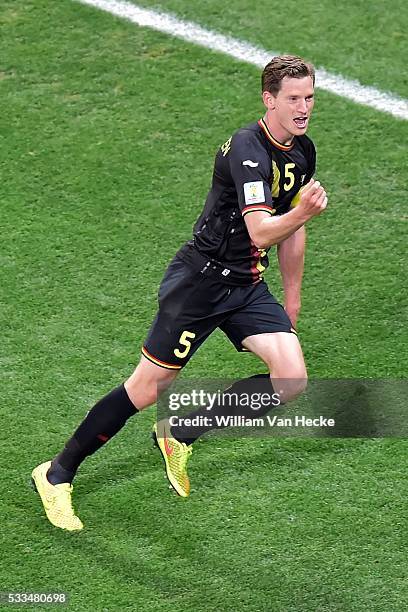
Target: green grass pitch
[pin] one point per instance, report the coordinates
(108, 133)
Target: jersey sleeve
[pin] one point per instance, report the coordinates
(250, 167)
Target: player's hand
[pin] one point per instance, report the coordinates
(313, 199)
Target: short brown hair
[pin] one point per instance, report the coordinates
(285, 65)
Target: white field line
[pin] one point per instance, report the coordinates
(191, 32)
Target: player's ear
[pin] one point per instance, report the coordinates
(269, 100)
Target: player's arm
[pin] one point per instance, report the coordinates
(265, 230)
(291, 256)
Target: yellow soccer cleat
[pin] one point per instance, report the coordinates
(56, 499)
(175, 455)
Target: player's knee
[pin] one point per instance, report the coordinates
(290, 388)
(143, 397)
(146, 383)
(142, 394)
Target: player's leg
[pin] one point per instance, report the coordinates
(143, 387)
(282, 354)
(108, 416)
(287, 378)
(262, 326)
(146, 382)
(169, 345)
(53, 479)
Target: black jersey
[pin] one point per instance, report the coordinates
(252, 172)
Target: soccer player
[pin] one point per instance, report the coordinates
(262, 195)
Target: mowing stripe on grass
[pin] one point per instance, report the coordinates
(353, 90)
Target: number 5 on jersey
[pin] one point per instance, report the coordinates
(184, 340)
(290, 176)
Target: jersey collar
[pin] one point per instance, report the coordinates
(273, 140)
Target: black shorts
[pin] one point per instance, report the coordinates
(194, 301)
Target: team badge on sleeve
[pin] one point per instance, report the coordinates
(254, 192)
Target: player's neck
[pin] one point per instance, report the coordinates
(278, 132)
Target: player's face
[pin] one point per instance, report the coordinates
(292, 106)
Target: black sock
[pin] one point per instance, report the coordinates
(101, 423)
(260, 383)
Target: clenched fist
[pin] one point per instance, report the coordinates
(313, 198)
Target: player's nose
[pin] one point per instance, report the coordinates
(302, 106)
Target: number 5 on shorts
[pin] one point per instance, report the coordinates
(184, 341)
